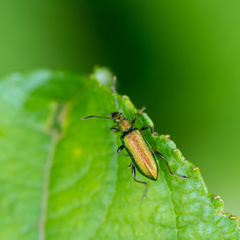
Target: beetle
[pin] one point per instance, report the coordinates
(141, 154)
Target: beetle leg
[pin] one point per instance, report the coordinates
(134, 178)
(129, 165)
(114, 129)
(139, 113)
(161, 156)
(152, 129)
(120, 149)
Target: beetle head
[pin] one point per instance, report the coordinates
(116, 116)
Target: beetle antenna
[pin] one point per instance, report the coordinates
(96, 117)
(114, 89)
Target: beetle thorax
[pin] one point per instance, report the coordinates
(124, 125)
(122, 122)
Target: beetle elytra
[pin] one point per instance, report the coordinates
(141, 154)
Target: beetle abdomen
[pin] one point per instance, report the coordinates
(141, 154)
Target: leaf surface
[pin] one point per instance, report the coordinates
(62, 179)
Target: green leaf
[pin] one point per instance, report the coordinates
(61, 178)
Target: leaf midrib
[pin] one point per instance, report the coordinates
(45, 189)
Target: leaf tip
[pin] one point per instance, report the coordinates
(103, 75)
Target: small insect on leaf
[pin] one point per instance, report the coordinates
(142, 155)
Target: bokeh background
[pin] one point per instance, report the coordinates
(180, 59)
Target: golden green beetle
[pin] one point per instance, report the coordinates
(141, 154)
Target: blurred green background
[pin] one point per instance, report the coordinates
(180, 59)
